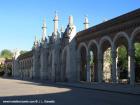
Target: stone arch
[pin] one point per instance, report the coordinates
(135, 59)
(65, 65)
(93, 49)
(121, 35)
(106, 38)
(82, 64)
(82, 45)
(134, 33)
(122, 41)
(93, 42)
(105, 56)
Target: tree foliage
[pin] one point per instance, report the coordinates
(122, 57)
(137, 51)
(22, 51)
(2, 67)
(6, 53)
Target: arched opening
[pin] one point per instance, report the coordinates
(137, 61)
(93, 63)
(122, 63)
(121, 48)
(107, 61)
(107, 65)
(83, 64)
(136, 45)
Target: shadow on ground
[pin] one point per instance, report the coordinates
(75, 96)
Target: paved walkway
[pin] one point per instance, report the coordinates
(119, 88)
(19, 91)
(11, 87)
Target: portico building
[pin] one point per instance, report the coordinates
(91, 55)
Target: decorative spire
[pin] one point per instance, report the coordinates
(55, 23)
(70, 30)
(35, 42)
(35, 38)
(70, 20)
(56, 16)
(86, 23)
(44, 30)
(62, 29)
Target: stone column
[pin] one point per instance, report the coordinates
(78, 67)
(131, 65)
(42, 64)
(100, 67)
(117, 68)
(114, 69)
(88, 69)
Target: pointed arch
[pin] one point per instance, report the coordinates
(106, 46)
(93, 49)
(65, 65)
(121, 43)
(135, 58)
(82, 53)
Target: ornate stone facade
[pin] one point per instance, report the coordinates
(65, 56)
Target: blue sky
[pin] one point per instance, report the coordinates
(21, 20)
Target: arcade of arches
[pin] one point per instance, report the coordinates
(106, 53)
(116, 60)
(110, 52)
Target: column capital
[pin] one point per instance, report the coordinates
(114, 54)
(131, 52)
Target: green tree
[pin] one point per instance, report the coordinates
(22, 52)
(6, 53)
(137, 51)
(122, 57)
(2, 67)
